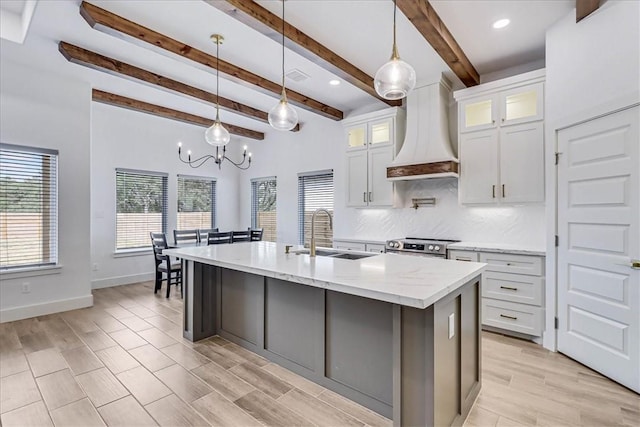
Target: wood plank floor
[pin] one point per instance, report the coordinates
(124, 362)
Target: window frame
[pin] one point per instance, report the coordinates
(53, 235)
(302, 177)
(214, 197)
(165, 194)
(254, 211)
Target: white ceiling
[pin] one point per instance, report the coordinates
(358, 30)
(13, 6)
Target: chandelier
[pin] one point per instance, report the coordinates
(216, 135)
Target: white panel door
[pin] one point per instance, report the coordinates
(599, 231)
(380, 188)
(479, 167)
(522, 163)
(357, 178)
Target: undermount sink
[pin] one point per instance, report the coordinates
(335, 254)
(350, 256)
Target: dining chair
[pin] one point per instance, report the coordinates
(218, 238)
(172, 270)
(185, 237)
(256, 234)
(240, 236)
(204, 232)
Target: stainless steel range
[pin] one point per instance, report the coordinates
(418, 246)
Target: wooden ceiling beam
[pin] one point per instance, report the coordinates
(107, 22)
(429, 24)
(84, 57)
(585, 8)
(260, 19)
(167, 113)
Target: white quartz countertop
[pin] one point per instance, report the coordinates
(498, 247)
(400, 279)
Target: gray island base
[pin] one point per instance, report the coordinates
(397, 334)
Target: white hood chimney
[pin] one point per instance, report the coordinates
(426, 152)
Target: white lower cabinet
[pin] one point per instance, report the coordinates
(512, 290)
(363, 246)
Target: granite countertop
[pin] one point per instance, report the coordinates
(400, 279)
(499, 248)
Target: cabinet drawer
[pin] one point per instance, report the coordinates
(464, 256)
(351, 246)
(517, 264)
(513, 287)
(516, 317)
(375, 247)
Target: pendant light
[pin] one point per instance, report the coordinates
(395, 79)
(216, 134)
(283, 116)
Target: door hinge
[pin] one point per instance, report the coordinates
(555, 322)
(557, 241)
(557, 157)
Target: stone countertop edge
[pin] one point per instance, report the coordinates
(391, 297)
(497, 248)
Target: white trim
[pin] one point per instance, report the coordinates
(122, 253)
(122, 280)
(17, 273)
(503, 84)
(42, 309)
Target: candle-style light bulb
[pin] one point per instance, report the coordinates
(245, 148)
(179, 147)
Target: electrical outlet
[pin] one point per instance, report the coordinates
(95, 266)
(452, 325)
(26, 287)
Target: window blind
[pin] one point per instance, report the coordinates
(263, 207)
(141, 207)
(28, 207)
(196, 202)
(315, 191)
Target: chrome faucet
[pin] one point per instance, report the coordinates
(312, 245)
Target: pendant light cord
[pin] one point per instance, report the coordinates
(394, 51)
(218, 78)
(283, 90)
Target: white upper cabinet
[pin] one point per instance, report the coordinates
(501, 137)
(372, 142)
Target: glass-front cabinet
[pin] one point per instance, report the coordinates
(518, 105)
(374, 133)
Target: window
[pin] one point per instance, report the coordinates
(263, 207)
(196, 202)
(28, 207)
(141, 207)
(315, 191)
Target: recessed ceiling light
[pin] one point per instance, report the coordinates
(334, 82)
(501, 23)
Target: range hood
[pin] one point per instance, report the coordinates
(426, 152)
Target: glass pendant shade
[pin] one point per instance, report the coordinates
(395, 79)
(283, 116)
(217, 135)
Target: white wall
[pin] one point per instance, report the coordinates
(41, 109)
(321, 145)
(132, 140)
(593, 67)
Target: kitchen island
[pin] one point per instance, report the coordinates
(396, 333)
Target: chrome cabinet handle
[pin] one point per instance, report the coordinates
(509, 317)
(364, 197)
(503, 120)
(508, 288)
(503, 195)
(370, 197)
(493, 191)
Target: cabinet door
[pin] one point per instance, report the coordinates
(522, 105)
(478, 113)
(357, 194)
(479, 167)
(522, 163)
(380, 189)
(381, 132)
(357, 138)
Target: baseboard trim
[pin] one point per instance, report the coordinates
(51, 307)
(122, 280)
